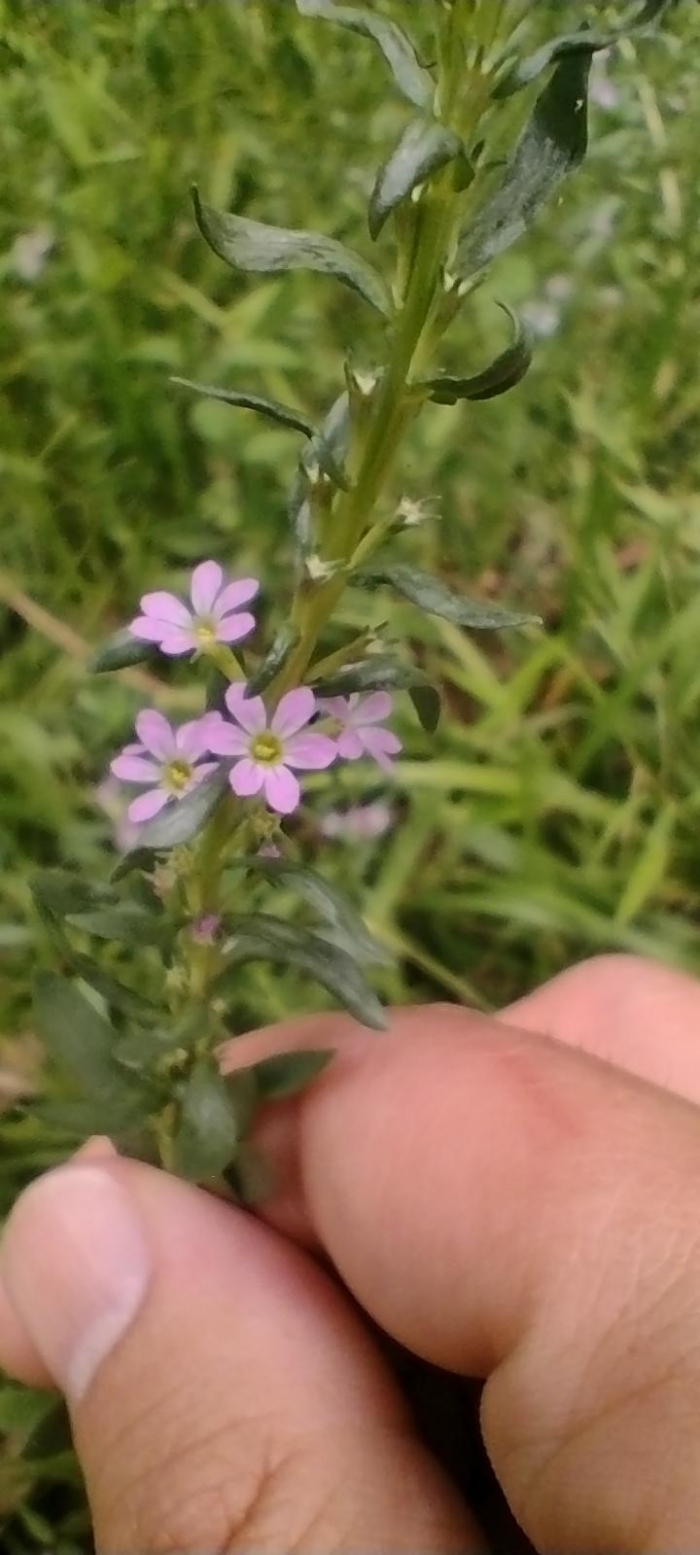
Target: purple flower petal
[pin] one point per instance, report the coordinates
(335, 707)
(350, 746)
(381, 744)
(232, 628)
(147, 805)
(235, 595)
(147, 629)
(192, 739)
(155, 734)
(206, 583)
(134, 750)
(224, 739)
(249, 712)
(133, 769)
(247, 778)
(235, 694)
(374, 709)
(162, 606)
(294, 711)
(204, 770)
(310, 752)
(175, 642)
(282, 790)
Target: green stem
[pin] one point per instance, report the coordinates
(418, 323)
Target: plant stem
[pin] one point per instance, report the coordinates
(418, 323)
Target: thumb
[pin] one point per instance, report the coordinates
(223, 1395)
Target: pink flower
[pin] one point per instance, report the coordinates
(215, 615)
(165, 758)
(110, 799)
(356, 730)
(360, 823)
(268, 750)
(204, 930)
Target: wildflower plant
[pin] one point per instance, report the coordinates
(496, 118)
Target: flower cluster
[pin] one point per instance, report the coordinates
(265, 749)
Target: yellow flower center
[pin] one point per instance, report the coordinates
(266, 748)
(177, 775)
(205, 633)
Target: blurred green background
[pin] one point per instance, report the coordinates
(556, 814)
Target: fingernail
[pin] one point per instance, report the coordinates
(76, 1267)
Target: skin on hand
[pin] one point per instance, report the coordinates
(514, 1199)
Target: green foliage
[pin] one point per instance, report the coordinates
(558, 815)
(257, 247)
(429, 594)
(424, 148)
(553, 144)
(506, 371)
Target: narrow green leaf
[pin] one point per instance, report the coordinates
(59, 892)
(109, 988)
(423, 149)
(286, 1074)
(652, 11)
(139, 858)
(379, 672)
(552, 145)
(208, 1132)
(114, 992)
(271, 409)
(262, 937)
(81, 1040)
(437, 599)
(125, 925)
(581, 42)
(328, 448)
(428, 706)
(352, 934)
(138, 1048)
(508, 369)
(411, 78)
(254, 246)
(567, 46)
(120, 652)
(182, 819)
(285, 641)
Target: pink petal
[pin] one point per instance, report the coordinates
(375, 708)
(294, 711)
(235, 595)
(206, 583)
(381, 744)
(155, 733)
(249, 712)
(235, 694)
(336, 707)
(147, 629)
(204, 770)
(350, 746)
(175, 642)
(133, 750)
(192, 739)
(224, 739)
(133, 769)
(232, 628)
(247, 778)
(165, 607)
(147, 805)
(282, 791)
(310, 751)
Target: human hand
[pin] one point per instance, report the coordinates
(502, 1202)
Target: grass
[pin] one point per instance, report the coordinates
(556, 814)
